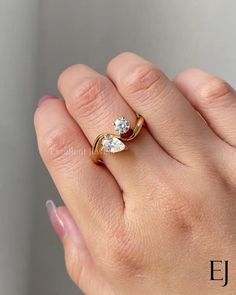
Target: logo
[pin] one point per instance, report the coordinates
(220, 271)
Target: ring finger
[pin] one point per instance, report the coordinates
(95, 104)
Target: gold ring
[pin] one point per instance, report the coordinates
(114, 143)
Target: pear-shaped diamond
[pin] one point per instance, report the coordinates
(111, 144)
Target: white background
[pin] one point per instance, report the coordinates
(38, 39)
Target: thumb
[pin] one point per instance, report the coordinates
(79, 263)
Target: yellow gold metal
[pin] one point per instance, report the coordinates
(97, 145)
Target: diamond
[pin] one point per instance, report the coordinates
(112, 145)
(121, 125)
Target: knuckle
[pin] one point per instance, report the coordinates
(119, 59)
(89, 95)
(124, 255)
(184, 213)
(142, 78)
(65, 74)
(214, 89)
(124, 54)
(57, 145)
(71, 71)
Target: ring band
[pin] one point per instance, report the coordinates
(114, 143)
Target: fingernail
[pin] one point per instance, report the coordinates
(56, 221)
(70, 225)
(44, 98)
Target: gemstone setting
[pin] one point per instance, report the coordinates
(111, 144)
(121, 125)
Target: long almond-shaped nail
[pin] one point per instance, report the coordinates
(56, 221)
(71, 227)
(44, 98)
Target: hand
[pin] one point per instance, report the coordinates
(150, 220)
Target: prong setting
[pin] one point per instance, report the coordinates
(112, 144)
(121, 125)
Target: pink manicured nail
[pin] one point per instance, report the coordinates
(56, 220)
(71, 227)
(64, 224)
(46, 97)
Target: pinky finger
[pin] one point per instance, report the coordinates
(78, 260)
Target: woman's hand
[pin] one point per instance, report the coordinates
(152, 218)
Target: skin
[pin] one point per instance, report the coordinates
(150, 220)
